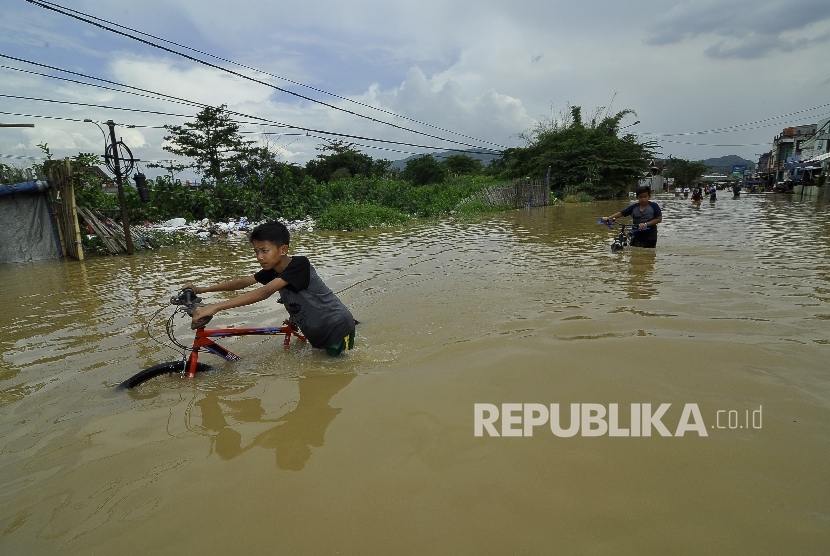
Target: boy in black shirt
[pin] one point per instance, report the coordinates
(646, 214)
(314, 308)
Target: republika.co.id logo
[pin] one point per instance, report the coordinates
(593, 419)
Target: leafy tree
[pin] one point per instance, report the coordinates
(423, 170)
(213, 142)
(582, 156)
(461, 164)
(684, 172)
(336, 155)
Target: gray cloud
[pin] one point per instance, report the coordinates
(744, 29)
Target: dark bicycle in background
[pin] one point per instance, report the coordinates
(624, 236)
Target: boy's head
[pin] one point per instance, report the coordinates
(272, 231)
(643, 192)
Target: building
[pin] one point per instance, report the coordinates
(787, 149)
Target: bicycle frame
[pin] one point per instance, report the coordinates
(188, 302)
(624, 237)
(204, 339)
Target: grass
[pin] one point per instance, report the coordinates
(359, 216)
(580, 197)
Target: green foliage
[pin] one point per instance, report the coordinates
(213, 142)
(339, 159)
(684, 172)
(580, 197)
(12, 174)
(461, 164)
(348, 216)
(423, 170)
(582, 156)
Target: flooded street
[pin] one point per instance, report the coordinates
(294, 452)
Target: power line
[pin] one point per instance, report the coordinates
(715, 144)
(97, 106)
(737, 127)
(71, 119)
(269, 74)
(399, 151)
(308, 130)
(179, 100)
(158, 97)
(62, 11)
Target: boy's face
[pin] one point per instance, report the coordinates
(268, 255)
(644, 197)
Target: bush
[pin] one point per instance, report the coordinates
(580, 197)
(423, 170)
(346, 216)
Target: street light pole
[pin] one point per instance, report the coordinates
(128, 238)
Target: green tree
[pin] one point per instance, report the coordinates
(684, 172)
(587, 157)
(459, 164)
(336, 155)
(212, 142)
(423, 170)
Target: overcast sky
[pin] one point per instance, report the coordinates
(482, 69)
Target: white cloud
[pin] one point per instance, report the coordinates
(484, 68)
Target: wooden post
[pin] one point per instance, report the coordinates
(73, 229)
(67, 217)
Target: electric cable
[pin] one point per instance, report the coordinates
(263, 121)
(270, 74)
(734, 127)
(61, 10)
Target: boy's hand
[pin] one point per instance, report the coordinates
(643, 226)
(196, 289)
(202, 316)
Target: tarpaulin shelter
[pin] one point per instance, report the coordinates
(27, 228)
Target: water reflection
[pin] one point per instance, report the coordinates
(641, 283)
(225, 412)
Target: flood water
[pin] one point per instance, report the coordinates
(293, 452)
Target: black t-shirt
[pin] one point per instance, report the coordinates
(297, 274)
(321, 316)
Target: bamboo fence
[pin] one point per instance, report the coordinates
(62, 197)
(520, 193)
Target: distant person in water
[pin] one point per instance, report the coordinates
(697, 194)
(686, 192)
(713, 193)
(736, 191)
(646, 214)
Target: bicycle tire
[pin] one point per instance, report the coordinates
(156, 370)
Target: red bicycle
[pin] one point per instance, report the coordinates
(187, 302)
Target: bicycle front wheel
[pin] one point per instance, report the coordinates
(156, 370)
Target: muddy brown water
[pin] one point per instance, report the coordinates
(293, 452)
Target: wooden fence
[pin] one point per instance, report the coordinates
(62, 197)
(518, 194)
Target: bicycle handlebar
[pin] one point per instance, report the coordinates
(610, 224)
(188, 298)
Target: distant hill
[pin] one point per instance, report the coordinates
(724, 164)
(439, 156)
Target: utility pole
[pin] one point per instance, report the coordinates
(128, 237)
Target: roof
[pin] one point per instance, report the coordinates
(819, 158)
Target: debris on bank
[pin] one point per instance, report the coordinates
(174, 231)
(206, 229)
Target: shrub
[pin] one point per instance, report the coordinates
(350, 216)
